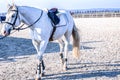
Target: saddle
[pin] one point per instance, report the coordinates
(52, 14)
(57, 19)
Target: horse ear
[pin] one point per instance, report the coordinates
(14, 6)
(8, 6)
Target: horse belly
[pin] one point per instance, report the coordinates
(60, 31)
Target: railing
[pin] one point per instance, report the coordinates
(96, 15)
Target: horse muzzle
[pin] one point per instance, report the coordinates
(6, 33)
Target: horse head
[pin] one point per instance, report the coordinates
(12, 20)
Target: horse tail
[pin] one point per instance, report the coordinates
(76, 42)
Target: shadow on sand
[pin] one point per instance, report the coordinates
(12, 46)
(77, 72)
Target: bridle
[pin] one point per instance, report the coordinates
(13, 24)
(20, 27)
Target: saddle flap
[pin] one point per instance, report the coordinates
(57, 17)
(63, 20)
(52, 14)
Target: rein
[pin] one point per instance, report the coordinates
(14, 20)
(6, 36)
(20, 28)
(3, 37)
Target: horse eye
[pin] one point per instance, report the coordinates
(13, 16)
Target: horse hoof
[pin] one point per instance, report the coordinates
(65, 68)
(42, 74)
(38, 79)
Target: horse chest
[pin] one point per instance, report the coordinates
(38, 34)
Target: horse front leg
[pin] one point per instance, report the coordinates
(40, 47)
(40, 70)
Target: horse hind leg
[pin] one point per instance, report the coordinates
(62, 47)
(66, 54)
(64, 59)
(61, 44)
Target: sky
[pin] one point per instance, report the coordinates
(62, 4)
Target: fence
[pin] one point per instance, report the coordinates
(95, 14)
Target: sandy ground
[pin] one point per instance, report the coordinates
(100, 54)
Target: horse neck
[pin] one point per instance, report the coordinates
(28, 14)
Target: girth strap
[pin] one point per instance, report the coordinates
(51, 37)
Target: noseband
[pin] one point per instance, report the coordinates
(13, 24)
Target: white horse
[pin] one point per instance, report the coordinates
(41, 29)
